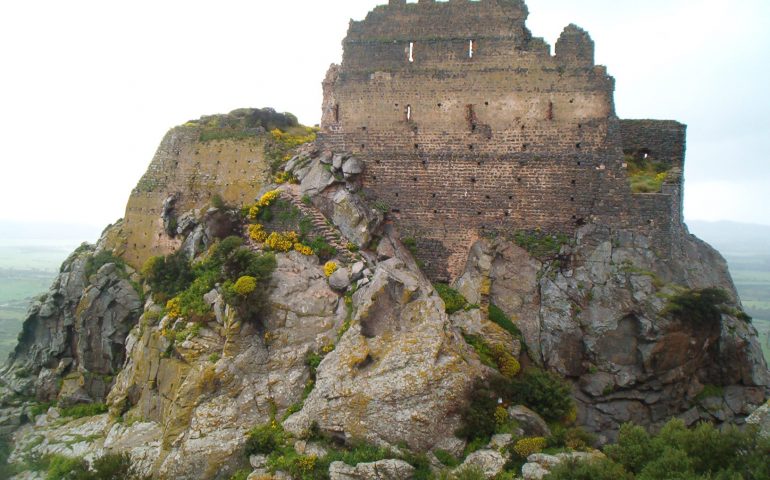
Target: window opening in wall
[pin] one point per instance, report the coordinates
(363, 146)
(411, 52)
(510, 197)
(363, 128)
(434, 195)
(471, 48)
(550, 110)
(470, 147)
(416, 146)
(408, 113)
(439, 105)
(486, 103)
(577, 145)
(337, 112)
(487, 197)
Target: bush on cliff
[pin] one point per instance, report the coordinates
(700, 307)
(703, 452)
(453, 300)
(544, 392)
(226, 263)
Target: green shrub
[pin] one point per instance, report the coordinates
(66, 468)
(601, 469)
(84, 410)
(700, 307)
(446, 458)
(322, 249)
(116, 466)
(544, 392)
(453, 301)
(241, 474)
(167, 276)
(264, 439)
(97, 261)
(470, 473)
(543, 246)
(499, 317)
(701, 452)
(478, 417)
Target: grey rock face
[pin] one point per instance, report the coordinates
(761, 417)
(73, 338)
(399, 374)
(491, 462)
(382, 470)
(529, 421)
(598, 318)
(205, 405)
(340, 280)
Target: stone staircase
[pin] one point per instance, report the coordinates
(320, 223)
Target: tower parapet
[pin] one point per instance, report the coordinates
(468, 124)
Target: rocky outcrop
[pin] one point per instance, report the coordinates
(331, 182)
(596, 313)
(208, 389)
(73, 339)
(382, 470)
(399, 374)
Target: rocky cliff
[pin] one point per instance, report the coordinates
(344, 340)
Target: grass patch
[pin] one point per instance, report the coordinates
(453, 300)
(543, 246)
(84, 410)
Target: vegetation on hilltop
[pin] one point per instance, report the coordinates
(646, 174)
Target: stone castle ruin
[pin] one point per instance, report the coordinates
(469, 125)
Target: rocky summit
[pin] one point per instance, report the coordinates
(438, 282)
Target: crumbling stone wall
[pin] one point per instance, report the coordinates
(467, 124)
(192, 171)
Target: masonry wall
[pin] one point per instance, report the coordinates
(468, 124)
(234, 169)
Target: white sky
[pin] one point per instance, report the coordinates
(89, 87)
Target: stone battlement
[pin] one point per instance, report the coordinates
(468, 124)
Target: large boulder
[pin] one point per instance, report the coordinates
(399, 374)
(391, 469)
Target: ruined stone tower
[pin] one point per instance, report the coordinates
(467, 124)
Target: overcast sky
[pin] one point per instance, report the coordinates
(89, 87)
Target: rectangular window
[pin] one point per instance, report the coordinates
(411, 52)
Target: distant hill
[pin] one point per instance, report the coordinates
(60, 233)
(732, 238)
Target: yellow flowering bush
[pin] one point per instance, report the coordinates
(506, 363)
(527, 446)
(284, 177)
(328, 348)
(330, 268)
(257, 232)
(303, 249)
(174, 308)
(253, 212)
(245, 285)
(280, 242)
(268, 198)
